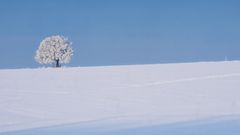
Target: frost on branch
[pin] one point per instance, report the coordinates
(54, 50)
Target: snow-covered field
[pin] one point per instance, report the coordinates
(127, 96)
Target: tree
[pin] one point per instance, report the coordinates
(54, 50)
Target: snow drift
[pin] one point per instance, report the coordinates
(134, 95)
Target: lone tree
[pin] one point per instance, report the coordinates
(54, 50)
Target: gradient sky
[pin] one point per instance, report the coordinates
(116, 32)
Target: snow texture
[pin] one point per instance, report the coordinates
(132, 95)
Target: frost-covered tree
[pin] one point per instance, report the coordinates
(54, 50)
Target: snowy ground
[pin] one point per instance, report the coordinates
(130, 97)
(206, 127)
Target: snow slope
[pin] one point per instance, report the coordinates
(132, 95)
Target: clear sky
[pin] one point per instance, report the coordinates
(116, 32)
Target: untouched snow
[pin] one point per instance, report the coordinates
(133, 95)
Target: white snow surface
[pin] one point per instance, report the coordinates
(134, 95)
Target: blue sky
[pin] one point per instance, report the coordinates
(116, 32)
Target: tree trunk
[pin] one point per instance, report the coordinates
(57, 64)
